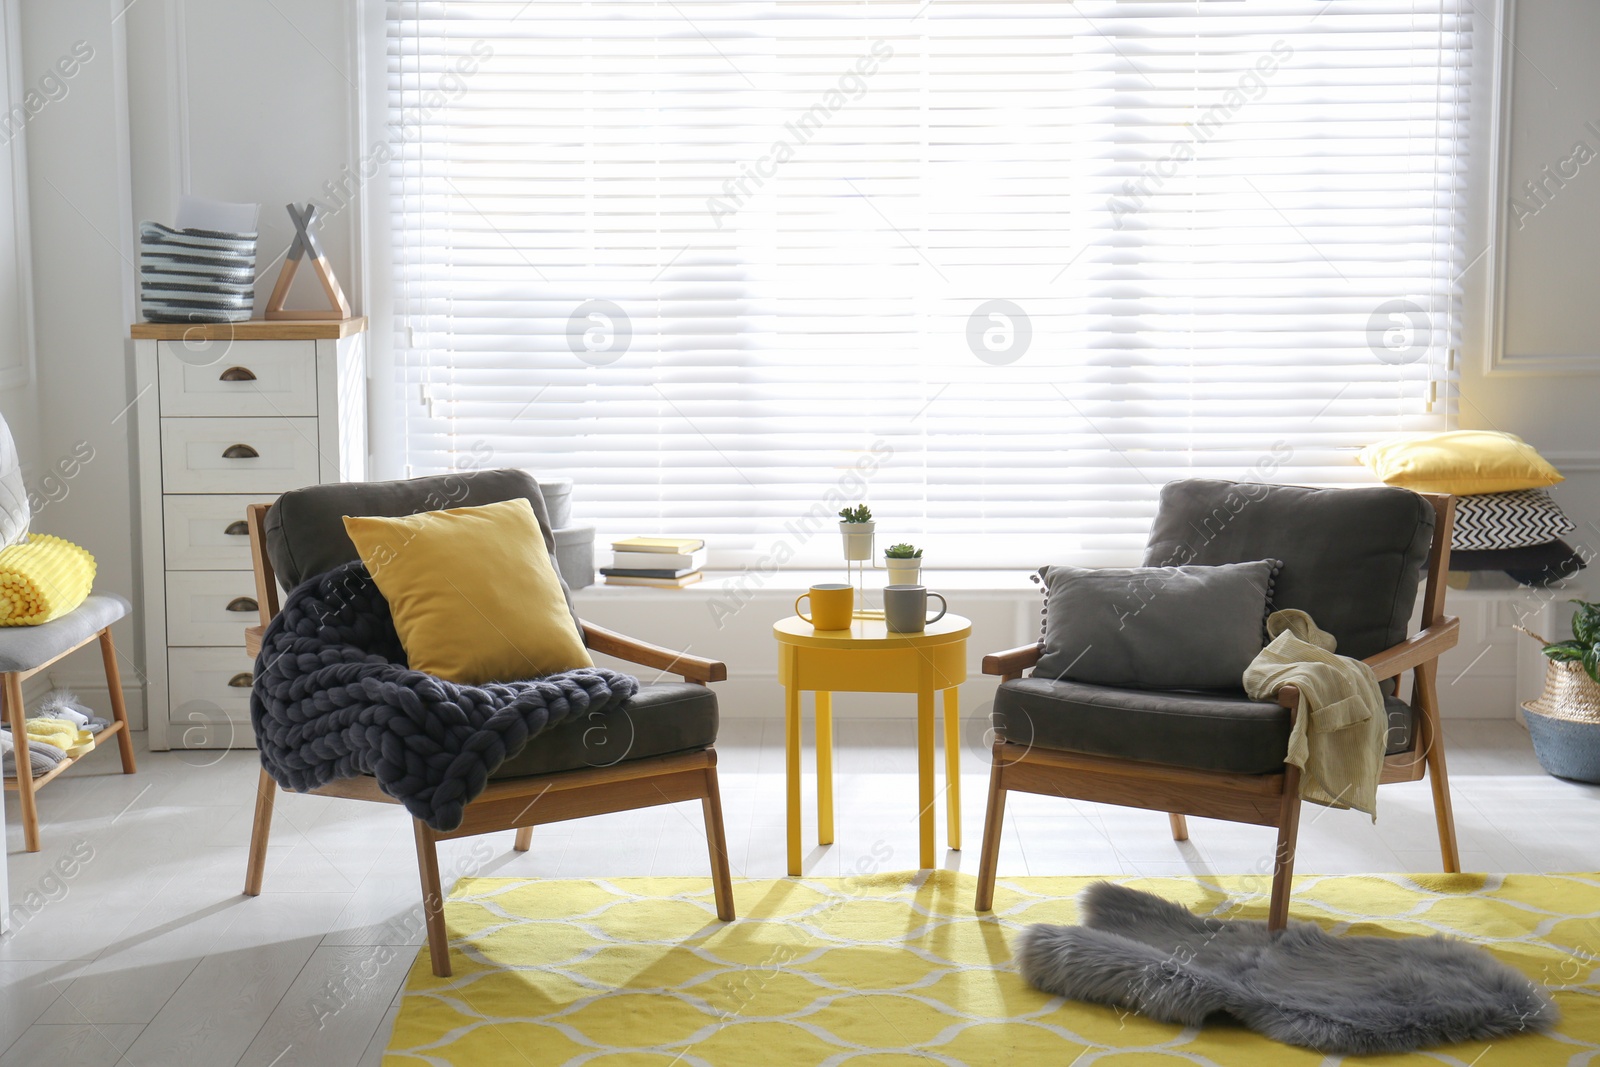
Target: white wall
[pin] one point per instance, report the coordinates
(1530, 363)
(82, 263)
(257, 100)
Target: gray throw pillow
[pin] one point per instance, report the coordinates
(1189, 627)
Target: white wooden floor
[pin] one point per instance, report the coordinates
(146, 953)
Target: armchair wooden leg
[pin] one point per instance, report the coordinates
(119, 711)
(524, 839)
(432, 899)
(1283, 861)
(19, 755)
(1433, 754)
(993, 819)
(717, 845)
(1180, 826)
(260, 829)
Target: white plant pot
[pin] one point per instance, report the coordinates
(904, 571)
(857, 540)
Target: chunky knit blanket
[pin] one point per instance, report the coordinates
(333, 698)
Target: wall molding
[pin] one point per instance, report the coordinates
(1499, 362)
(1583, 462)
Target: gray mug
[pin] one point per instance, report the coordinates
(905, 608)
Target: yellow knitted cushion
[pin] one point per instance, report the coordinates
(42, 579)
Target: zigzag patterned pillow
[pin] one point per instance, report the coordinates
(1508, 520)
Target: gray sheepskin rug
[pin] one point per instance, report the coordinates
(1301, 986)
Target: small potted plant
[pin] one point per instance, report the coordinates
(1564, 722)
(904, 563)
(856, 524)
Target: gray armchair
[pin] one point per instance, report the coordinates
(658, 748)
(1353, 559)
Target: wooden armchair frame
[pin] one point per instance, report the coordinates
(522, 803)
(1265, 799)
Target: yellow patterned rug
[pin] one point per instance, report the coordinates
(898, 969)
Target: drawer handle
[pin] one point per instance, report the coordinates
(237, 528)
(242, 680)
(237, 374)
(243, 603)
(240, 452)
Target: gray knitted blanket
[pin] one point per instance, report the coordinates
(333, 698)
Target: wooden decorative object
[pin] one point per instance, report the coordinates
(306, 241)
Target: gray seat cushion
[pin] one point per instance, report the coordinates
(1352, 558)
(22, 648)
(305, 528)
(1214, 731)
(659, 720)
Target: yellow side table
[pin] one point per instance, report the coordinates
(867, 658)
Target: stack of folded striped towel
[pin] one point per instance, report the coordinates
(59, 727)
(1505, 518)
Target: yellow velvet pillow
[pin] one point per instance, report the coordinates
(1463, 462)
(474, 594)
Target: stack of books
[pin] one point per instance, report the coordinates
(669, 562)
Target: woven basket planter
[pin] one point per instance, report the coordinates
(1564, 723)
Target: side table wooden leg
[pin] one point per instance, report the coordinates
(791, 761)
(925, 802)
(952, 765)
(824, 768)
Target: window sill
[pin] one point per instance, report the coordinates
(743, 585)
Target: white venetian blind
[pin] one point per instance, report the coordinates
(1009, 266)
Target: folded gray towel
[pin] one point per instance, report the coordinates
(42, 757)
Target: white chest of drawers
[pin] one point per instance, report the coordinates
(228, 415)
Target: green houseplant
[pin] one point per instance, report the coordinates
(1564, 722)
(904, 563)
(856, 524)
(1584, 648)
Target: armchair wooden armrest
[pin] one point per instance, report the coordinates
(1012, 662)
(1417, 649)
(690, 668)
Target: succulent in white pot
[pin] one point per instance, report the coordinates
(904, 563)
(856, 524)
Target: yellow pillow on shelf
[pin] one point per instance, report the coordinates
(42, 579)
(473, 591)
(1462, 462)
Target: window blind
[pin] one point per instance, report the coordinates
(999, 269)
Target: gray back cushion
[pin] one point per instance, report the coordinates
(305, 528)
(1352, 558)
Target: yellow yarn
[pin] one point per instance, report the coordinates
(42, 579)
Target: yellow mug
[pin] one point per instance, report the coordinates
(832, 606)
